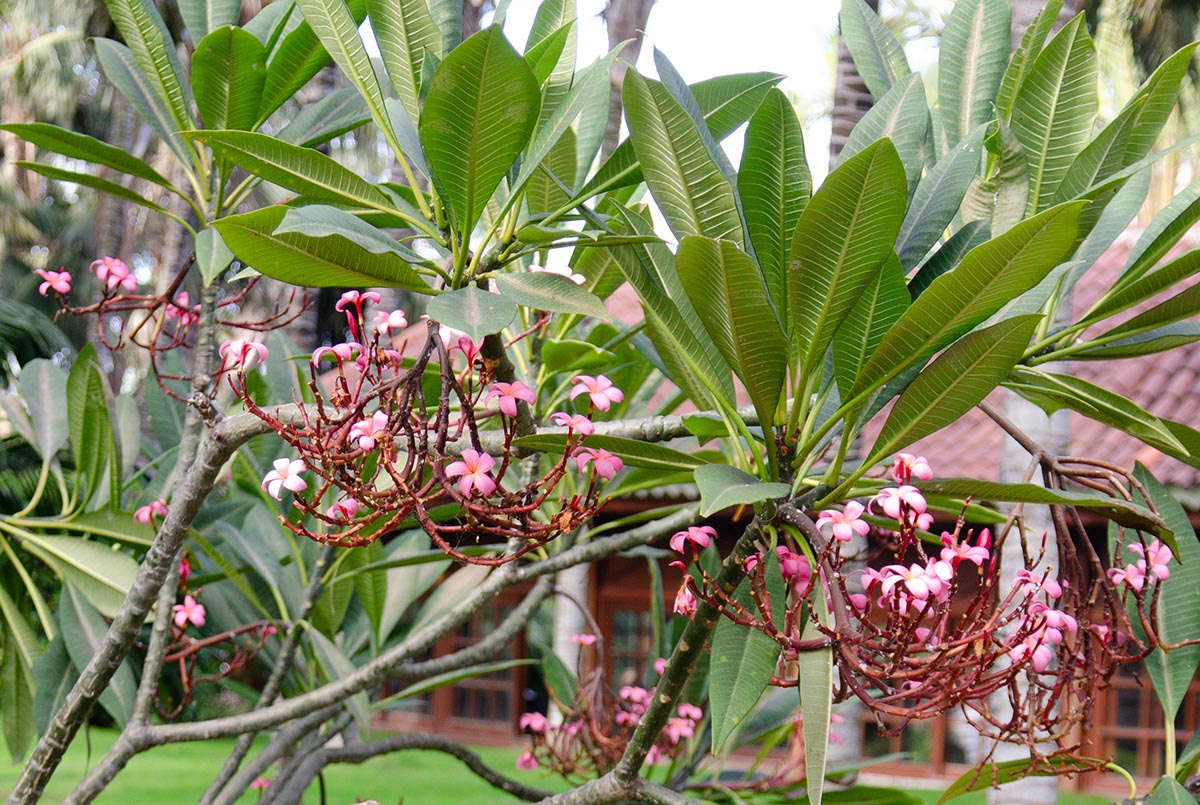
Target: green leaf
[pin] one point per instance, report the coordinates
(1178, 610)
(569, 355)
(937, 200)
(322, 221)
(743, 659)
(1159, 339)
(971, 61)
(99, 572)
(1120, 511)
(1161, 234)
(842, 238)
(1055, 109)
(212, 255)
(775, 185)
(408, 583)
(87, 412)
(16, 700)
(552, 292)
(298, 57)
(308, 261)
(300, 169)
(451, 592)
(335, 113)
(82, 146)
(954, 383)
(267, 562)
(150, 42)
(948, 256)
(543, 57)
(448, 16)
(726, 103)
(694, 362)
(122, 70)
(1054, 391)
(44, 387)
(202, 17)
(1023, 59)
(1001, 195)
(94, 182)
(816, 669)
(722, 486)
(479, 114)
(83, 633)
(1131, 135)
(693, 194)
(22, 641)
(726, 287)
(1182, 305)
(881, 305)
(901, 116)
(406, 33)
(1131, 293)
(544, 192)
(633, 452)
(555, 22)
(55, 676)
(335, 666)
(116, 525)
(555, 122)
(989, 277)
(370, 585)
(451, 678)
(1167, 791)
(229, 68)
(877, 55)
(1008, 771)
(477, 313)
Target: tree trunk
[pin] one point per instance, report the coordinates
(626, 20)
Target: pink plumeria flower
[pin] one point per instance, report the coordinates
(845, 523)
(894, 500)
(939, 573)
(286, 475)
(457, 339)
(794, 567)
(562, 271)
(576, 422)
(1055, 618)
(1156, 554)
(509, 395)
(1035, 651)
(955, 552)
(699, 537)
(907, 466)
(58, 281)
(679, 728)
(189, 612)
(185, 568)
(473, 469)
(660, 665)
(113, 272)
(1031, 582)
(389, 322)
(860, 602)
(605, 464)
(527, 762)
(600, 391)
(654, 756)
(147, 514)
(356, 299)
(180, 308)
(583, 639)
(916, 580)
(368, 432)
(338, 353)
(685, 602)
(689, 711)
(343, 509)
(1133, 575)
(871, 577)
(260, 784)
(241, 355)
(534, 722)
(924, 521)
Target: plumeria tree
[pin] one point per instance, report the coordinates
(330, 516)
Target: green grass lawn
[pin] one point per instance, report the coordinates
(177, 774)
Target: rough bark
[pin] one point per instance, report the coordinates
(626, 22)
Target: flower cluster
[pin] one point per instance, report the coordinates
(596, 727)
(160, 322)
(394, 438)
(932, 629)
